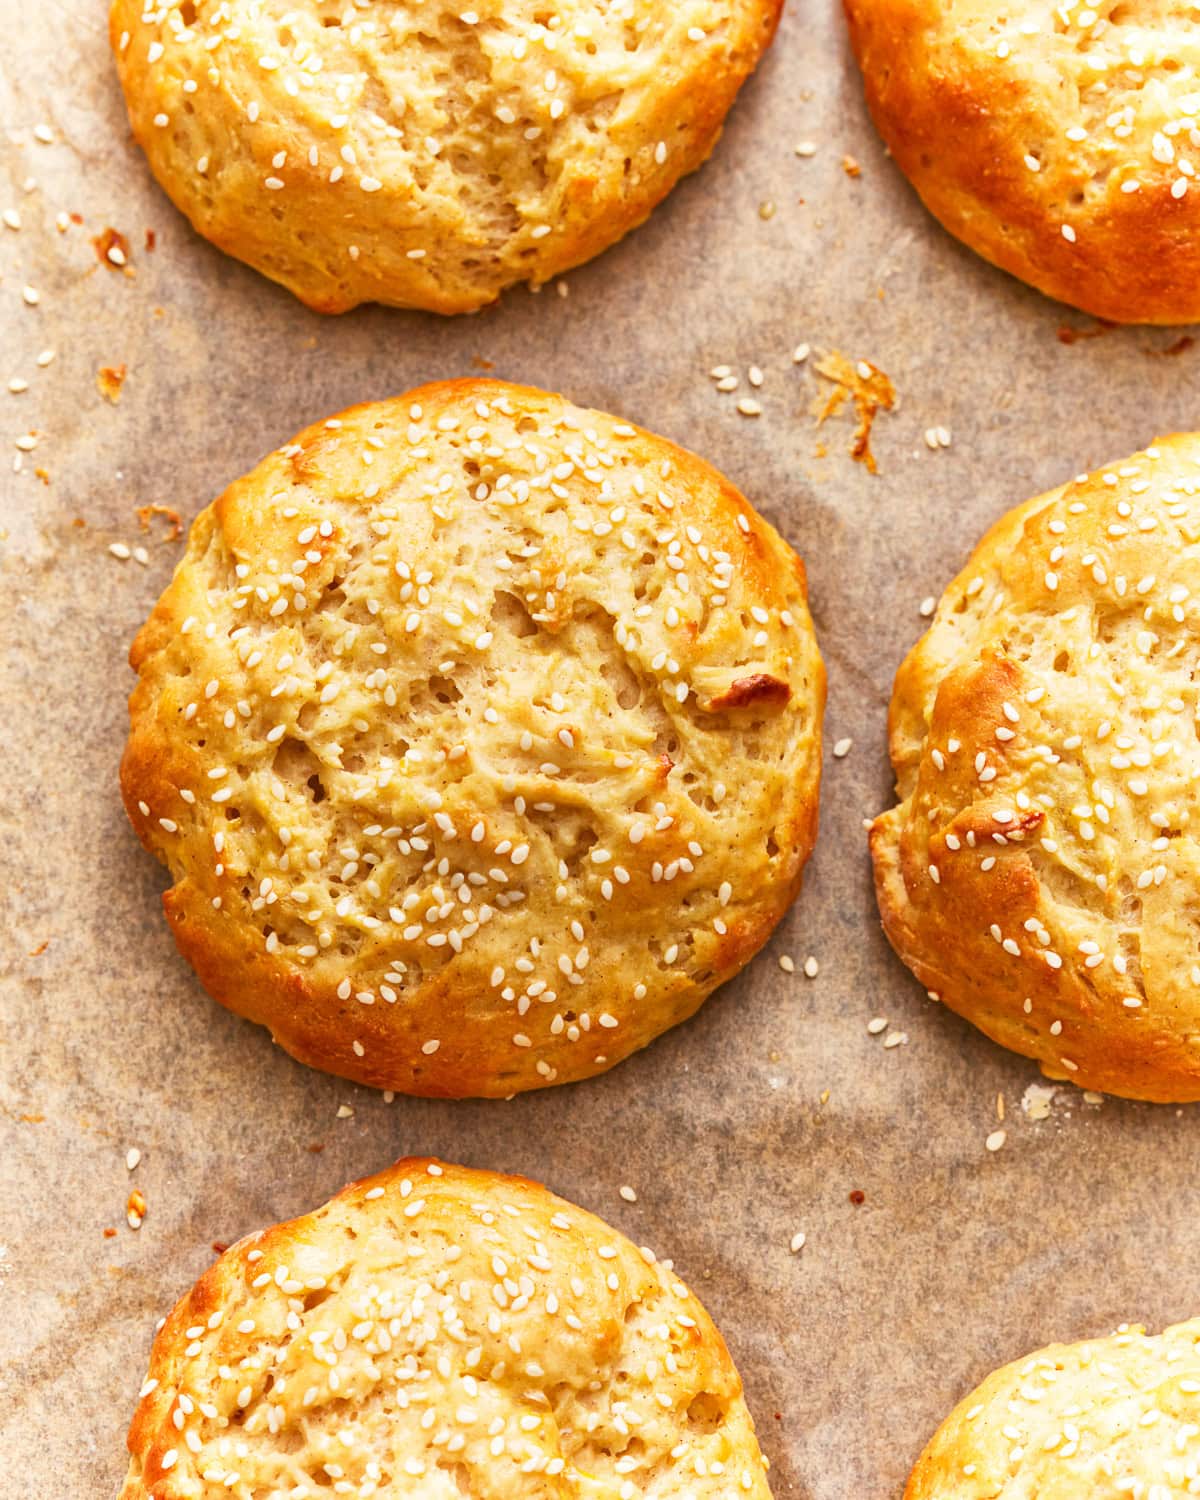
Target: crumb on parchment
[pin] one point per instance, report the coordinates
(867, 386)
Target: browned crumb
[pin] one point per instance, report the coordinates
(109, 380)
(42, 474)
(135, 1208)
(851, 167)
(110, 1234)
(151, 240)
(867, 386)
(858, 1197)
(1068, 335)
(40, 949)
(146, 513)
(105, 243)
(479, 363)
(1181, 345)
(220, 1246)
(33, 1119)
(317, 1147)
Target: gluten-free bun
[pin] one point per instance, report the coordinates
(427, 155)
(481, 736)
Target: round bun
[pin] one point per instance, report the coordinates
(427, 155)
(1057, 142)
(436, 1332)
(1101, 1420)
(481, 736)
(1040, 874)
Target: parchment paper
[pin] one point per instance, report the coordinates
(761, 1117)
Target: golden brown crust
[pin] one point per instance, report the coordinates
(1099, 1420)
(427, 156)
(434, 1330)
(463, 796)
(1058, 143)
(1040, 873)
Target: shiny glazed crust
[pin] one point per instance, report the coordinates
(435, 1332)
(1041, 873)
(1058, 142)
(427, 155)
(1100, 1420)
(481, 735)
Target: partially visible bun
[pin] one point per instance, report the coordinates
(1041, 872)
(1102, 1420)
(436, 1332)
(481, 735)
(1059, 142)
(427, 155)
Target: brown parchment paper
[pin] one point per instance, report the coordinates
(762, 1116)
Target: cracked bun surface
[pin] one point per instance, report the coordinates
(1060, 142)
(1099, 1420)
(1041, 872)
(434, 1332)
(427, 155)
(481, 736)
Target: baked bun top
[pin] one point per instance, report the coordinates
(1100, 1420)
(1059, 142)
(481, 735)
(434, 1332)
(427, 155)
(1040, 873)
